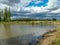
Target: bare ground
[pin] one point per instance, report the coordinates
(48, 38)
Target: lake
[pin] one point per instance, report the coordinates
(22, 34)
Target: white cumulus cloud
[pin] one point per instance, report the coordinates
(56, 11)
(18, 5)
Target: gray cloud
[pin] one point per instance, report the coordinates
(10, 2)
(14, 1)
(17, 5)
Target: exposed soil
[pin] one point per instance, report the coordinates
(48, 38)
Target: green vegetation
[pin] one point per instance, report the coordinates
(5, 15)
(1, 13)
(29, 19)
(57, 40)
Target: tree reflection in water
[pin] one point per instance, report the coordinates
(7, 30)
(10, 40)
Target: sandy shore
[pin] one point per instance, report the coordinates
(48, 38)
(32, 22)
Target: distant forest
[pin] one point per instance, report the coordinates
(29, 19)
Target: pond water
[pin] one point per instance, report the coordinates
(22, 34)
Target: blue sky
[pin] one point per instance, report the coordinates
(37, 8)
(42, 3)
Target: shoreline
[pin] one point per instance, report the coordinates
(32, 22)
(47, 38)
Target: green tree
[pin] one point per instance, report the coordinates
(1, 14)
(8, 15)
(5, 14)
(0, 18)
(54, 19)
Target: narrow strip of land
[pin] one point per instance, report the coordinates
(48, 38)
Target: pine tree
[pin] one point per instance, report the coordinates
(0, 16)
(9, 14)
(5, 14)
(1, 13)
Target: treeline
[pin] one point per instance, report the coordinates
(5, 14)
(29, 19)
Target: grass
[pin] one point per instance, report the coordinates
(33, 22)
(57, 40)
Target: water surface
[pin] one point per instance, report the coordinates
(22, 34)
